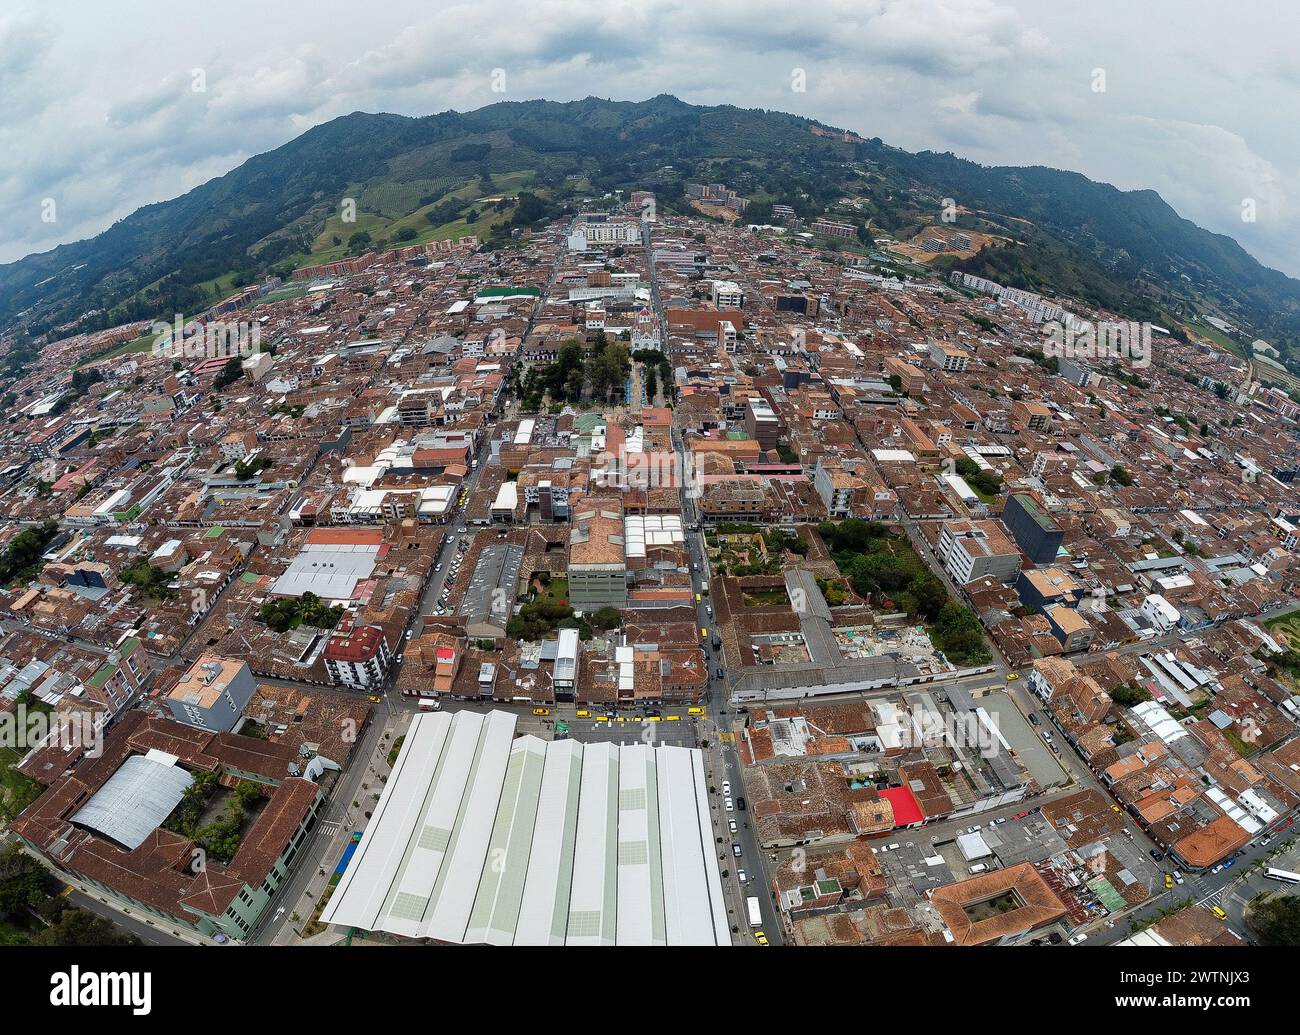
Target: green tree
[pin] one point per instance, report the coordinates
(1277, 921)
(78, 927)
(607, 618)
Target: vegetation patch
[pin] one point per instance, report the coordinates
(290, 612)
(883, 569)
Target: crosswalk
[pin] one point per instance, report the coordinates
(330, 828)
(1212, 899)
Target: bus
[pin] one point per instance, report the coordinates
(1285, 876)
(755, 916)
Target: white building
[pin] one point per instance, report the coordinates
(482, 837)
(1162, 614)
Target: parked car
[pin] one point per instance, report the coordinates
(1033, 717)
(1156, 855)
(735, 849)
(743, 876)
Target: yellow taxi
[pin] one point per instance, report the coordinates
(672, 718)
(1219, 913)
(1169, 881)
(582, 713)
(1013, 675)
(376, 699)
(541, 711)
(760, 937)
(694, 711)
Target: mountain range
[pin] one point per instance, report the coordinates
(514, 164)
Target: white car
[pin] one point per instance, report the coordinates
(1080, 937)
(744, 877)
(728, 805)
(731, 825)
(726, 788)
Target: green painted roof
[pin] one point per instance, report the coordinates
(1107, 895)
(1032, 508)
(503, 292)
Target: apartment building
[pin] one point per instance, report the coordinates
(973, 549)
(357, 656)
(948, 358)
(212, 694)
(597, 556)
(1032, 528)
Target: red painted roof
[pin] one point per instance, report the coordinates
(906, 810)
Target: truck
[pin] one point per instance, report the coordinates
(755, 916)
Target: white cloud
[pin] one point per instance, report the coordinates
(999, 81)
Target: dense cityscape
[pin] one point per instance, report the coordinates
(704, 478)
(875, 616)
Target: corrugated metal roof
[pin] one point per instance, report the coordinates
(481, 837)
(135, 800)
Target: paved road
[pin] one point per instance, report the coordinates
(325, 843)
(1230, 889)
(721, 760)
(145, 930)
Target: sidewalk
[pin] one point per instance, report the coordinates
(304, 907)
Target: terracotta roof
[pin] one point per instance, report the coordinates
(1039, 905)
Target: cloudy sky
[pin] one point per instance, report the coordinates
(110, 106)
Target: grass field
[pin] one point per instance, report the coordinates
(1287, 628)
(141, 344)
(16, 790)
(371, 217)
(1218, 337)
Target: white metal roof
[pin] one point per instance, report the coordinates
(331, 571)
(136, 799)
(483, 838)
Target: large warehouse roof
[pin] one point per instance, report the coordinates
(480, 837)
(136, 799)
